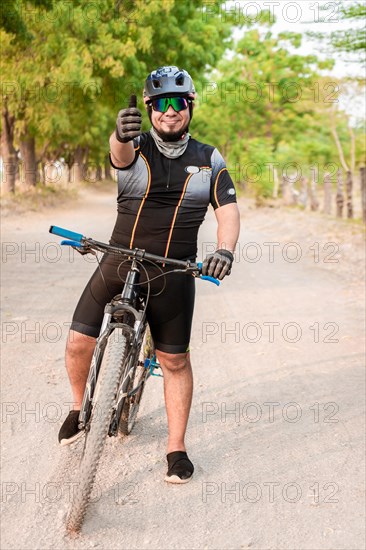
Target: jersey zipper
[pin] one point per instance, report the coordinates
(168, 182)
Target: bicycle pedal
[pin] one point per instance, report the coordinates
(152, 364)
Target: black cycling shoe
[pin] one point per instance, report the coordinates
(69, 431)
(180, 468)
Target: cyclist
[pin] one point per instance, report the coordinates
(166, 180)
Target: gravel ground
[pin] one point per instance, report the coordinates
(276, 431)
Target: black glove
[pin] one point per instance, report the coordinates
(218, 264)
(128, 125)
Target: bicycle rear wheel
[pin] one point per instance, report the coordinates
(138, 379)
(113, 363)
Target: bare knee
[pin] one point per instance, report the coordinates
(173, 362)
(79, 344)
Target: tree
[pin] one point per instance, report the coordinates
(74, 65)
(259, 104)
(352, 40)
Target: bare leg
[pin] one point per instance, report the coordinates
(79, 352)
(178, 389)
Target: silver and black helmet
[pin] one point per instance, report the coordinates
(169, 81)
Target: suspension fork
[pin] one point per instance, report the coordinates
(94, 370)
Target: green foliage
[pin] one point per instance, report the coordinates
(12, 19)
(262, 109)
(68, 67)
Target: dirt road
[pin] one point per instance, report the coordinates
(276, 428)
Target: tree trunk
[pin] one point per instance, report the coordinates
(8, 152)
(27, 147)
(107, 168)
(41, 172)
(327, 194)
(78, 166)
(86, 163)
(339, 196)
(98, 173)
(363, 192)
(314, 203)
(349, 195)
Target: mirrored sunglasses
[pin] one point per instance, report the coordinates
(162, 104)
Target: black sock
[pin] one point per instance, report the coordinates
(179, 465)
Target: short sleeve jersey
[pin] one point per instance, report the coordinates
(162, 202)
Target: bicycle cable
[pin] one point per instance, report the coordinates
(147, 281)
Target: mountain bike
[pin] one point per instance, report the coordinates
(123, 359)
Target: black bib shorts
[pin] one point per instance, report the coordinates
(169, 310)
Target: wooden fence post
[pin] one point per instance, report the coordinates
(286, 191)
(275, 183)
(339, 196)
(349, 195)
(363, 192)
(303, 196)
(314, 203)
(327, 194)
(289, 193)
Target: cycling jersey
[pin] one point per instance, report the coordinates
(162, 202)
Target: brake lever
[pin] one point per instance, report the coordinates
(207, 277)
(79, 247)
(84, 250)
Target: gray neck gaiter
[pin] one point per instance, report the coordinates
(170, 149)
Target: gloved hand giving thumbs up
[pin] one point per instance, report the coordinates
(128, 125)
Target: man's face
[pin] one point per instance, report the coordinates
(170, 125)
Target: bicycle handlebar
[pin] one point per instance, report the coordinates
(66, 233)
(79, 241)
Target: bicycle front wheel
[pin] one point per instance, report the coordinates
(113, 363)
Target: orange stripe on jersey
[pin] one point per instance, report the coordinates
(143, 200)
(215, 187)
(175, 215)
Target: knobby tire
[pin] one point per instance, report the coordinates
(113, 362)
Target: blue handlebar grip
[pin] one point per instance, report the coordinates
(207, 277)
(72, 243)
(66, 233)
(211, 279)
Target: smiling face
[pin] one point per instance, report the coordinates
(170, 125)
